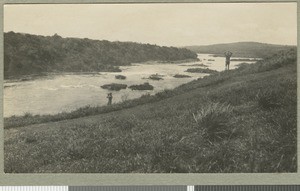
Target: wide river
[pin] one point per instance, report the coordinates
(67, 92)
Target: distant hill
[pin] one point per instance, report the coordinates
(241, 49)
(26, 54)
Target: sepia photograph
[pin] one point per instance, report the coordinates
(150, 88)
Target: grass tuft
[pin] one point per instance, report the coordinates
(213, 120)
(268, 99)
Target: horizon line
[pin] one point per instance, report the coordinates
(182, 46)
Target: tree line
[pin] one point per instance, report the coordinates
(26, 54)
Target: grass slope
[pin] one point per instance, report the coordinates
(241, 49)
(242, 120)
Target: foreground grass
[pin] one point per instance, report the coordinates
(242, 120)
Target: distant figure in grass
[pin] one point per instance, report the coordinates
(109, 97)
(227, 62)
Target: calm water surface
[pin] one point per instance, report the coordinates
(64, 93)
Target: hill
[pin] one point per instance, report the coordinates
(242, 120)
(26, 54)
(241, 49)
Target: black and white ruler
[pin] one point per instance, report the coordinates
(156, 188)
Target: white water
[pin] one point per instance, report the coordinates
(64, 93)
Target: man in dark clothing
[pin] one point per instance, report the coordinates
(227, 54)
(109, 97)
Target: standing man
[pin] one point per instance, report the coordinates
(227, 62)
(109, 97)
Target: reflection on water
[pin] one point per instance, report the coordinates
(69, 92)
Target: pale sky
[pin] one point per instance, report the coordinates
(161, 24)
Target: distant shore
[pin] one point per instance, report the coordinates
(29, 77)
(169, 62)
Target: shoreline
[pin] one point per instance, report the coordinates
(167, 62)
(13, 121)
(30, 77)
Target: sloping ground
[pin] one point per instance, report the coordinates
(238, 121)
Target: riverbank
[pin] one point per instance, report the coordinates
(243, 120)
(55, 53)
(66, 92)
(16, 121)
(19, 78)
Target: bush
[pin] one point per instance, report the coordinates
(213, 120)
(268, 99)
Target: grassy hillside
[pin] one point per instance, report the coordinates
(242, 120)
(26, 54)
(241, 49)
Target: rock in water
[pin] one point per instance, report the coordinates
(145, 86)
(114, 86)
